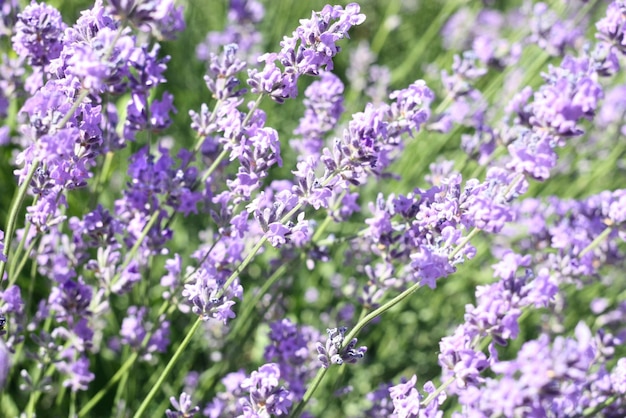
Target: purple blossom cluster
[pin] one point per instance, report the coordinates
(199, 258)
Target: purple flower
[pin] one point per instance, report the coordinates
(5, 363)
(240, 29)
(309, 50)
(612, 27)
(551, 33)
(209, 299)
(155, 183)
(8, 16)
(571, 93)
(276, 234)
(135, 328)
(70, 300)
(77, 370)
(334, 352)
(266, 396)
(173, 278)
(183, 407)
(221, 79)
(372, 139)
(324, 106)
(547, 379)
(162, 18)
(464, 71)
(258, 150)
(3, 258)
(12, 298)
(225, 403)
(97, 229)
(100, 63)
(532, 154)
(39, 33)
(618, 377)
(291, 348)
(406, 399)
(486, 205)
(381, 404)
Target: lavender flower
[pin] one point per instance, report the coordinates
(266, 396)
(225, 403)
(134, 329)
(545, 379)
(2, 256)
(5, 363)
(324, 106)
(8, 12)
(382, 406)
(291, 349)
(551, 33)
(240, 29)
(464, 71)
(209, 299)
(334, 352)
(77, 370)
(618, 377)
(161, 18)
(38, 34)
(406, 399)
(611, 27)
(70, 300)
(373, 137)
(221, 79)
(183, 407)
(310, 49)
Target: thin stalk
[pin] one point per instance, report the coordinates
(309, 392)
(168, 368)
(13, 213)
(135, 248)
(122, 371)
(93, 401)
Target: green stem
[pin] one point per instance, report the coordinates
(102, 176)
(309, 392)
(168, 368)
(252, 304)
(13, 214)
(213, 166)
(593, 411)
(594, 244)
(93, 401)
(380, 310)
(242, 265)
(122, 372)
(436, 393)
(135, 248)
(15, 272)
(72, 411)
(212, 118)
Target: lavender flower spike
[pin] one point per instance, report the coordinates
(333, 353)
(266, 396)
(309, 50)
(183, 407)
(204, 296)
(39, 34)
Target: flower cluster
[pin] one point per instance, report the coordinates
(451, 197)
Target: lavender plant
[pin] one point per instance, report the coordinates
(249, 220)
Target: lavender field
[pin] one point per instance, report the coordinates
(292, 209)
